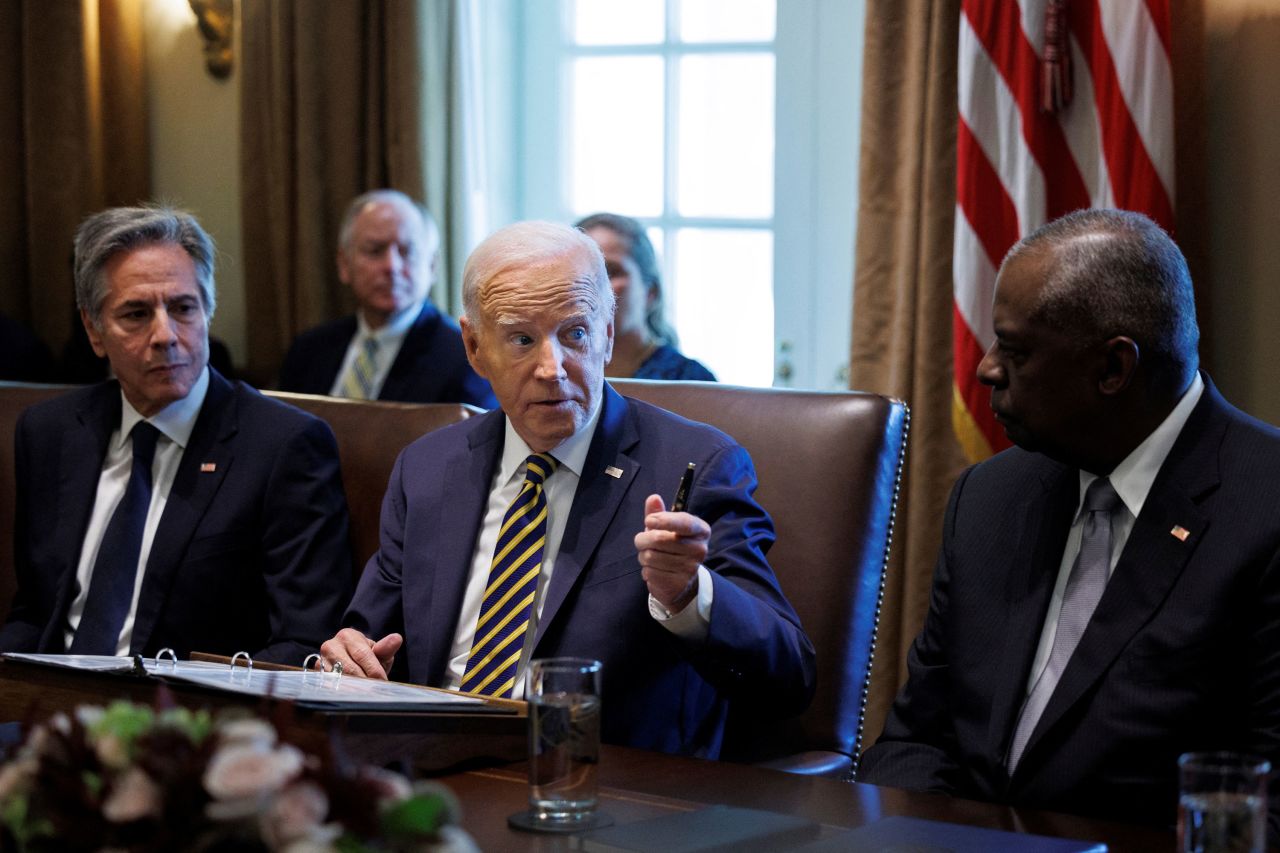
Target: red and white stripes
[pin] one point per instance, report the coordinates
(1019, 166)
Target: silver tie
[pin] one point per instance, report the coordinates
(1085, 584)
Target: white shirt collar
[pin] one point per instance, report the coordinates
(176, 420)
(1133, 477)
(570, 453)
(397, 327)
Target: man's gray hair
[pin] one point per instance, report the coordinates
(121, 229)
(1116, 272)
(529, 244)
(430, 230)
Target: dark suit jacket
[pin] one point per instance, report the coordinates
(658, 692)
(431, 366)
(1182, 653)
(251, 556)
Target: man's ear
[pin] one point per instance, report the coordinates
(1119, 366)
(95, 337)
(344, 268)
(471, 343)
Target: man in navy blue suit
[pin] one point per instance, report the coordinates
(1030, 683)
(680, 605)
(398, 345)
(168, 506)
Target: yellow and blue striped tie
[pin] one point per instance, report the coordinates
(358, 384)
(513, 584)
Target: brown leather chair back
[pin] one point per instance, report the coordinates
(370, 437)
(14, 397)
(829, 466)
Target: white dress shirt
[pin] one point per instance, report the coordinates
(390, 338)
(559, 491)
(1132, 480)
(175, 423)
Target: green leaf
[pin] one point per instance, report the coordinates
(419, 815)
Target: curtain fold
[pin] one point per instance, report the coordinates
(331, 107)
(901, 342)
(73, 139)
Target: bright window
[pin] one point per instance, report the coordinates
(727, 127)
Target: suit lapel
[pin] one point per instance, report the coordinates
(210, 446)
(595, 504)
(79, 468)
(405, 373)
(1152, 560)
(1045, 524)
(328, 357)
(469, 476)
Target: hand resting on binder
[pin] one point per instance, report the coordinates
(359, 655)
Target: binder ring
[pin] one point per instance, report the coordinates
(248, 660)
(337, 668)
(312, 659)
(169, 653)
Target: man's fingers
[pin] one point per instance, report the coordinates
(355, 652)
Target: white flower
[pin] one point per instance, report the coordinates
(89, 715)
(17, 775)
(294, 814)
(454, 839)
(111, 751)
(134, 795)
(240, 771)
(248, 732)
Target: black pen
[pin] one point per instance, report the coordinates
(682, 492)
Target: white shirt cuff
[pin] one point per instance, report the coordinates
(692, 623)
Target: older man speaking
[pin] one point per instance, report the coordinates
(539, 530)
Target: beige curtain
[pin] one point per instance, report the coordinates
(332, 107)
(903, 291)
(73, 139)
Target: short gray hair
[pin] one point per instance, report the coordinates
(106, 234)
(1116, 272)
(430, 230)
(529, 244)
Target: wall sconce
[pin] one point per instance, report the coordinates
(216, 19)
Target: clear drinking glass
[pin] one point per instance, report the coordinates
(564, 740)
(1222, 803)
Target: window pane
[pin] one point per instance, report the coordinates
(618, 21)
(727, 20)
(723, 301)
(615, 155)
(725, 165)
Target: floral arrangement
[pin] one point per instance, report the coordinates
(127, 777)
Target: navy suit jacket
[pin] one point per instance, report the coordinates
(251, 553)
(1182, 653)
(659, 692)
(431, 366)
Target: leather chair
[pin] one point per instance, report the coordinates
(370, 437)
(829, 466)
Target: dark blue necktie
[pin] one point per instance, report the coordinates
(116, 568)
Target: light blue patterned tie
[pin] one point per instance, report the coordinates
(359, 384)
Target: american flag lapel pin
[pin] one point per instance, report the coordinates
(613, 472)
(1180, 533)
(208, 467)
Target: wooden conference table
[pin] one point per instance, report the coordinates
(475, 755)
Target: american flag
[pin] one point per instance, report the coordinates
(1064, 104)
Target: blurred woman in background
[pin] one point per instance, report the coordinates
(644, 344)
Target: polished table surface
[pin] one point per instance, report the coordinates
(635, 785)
